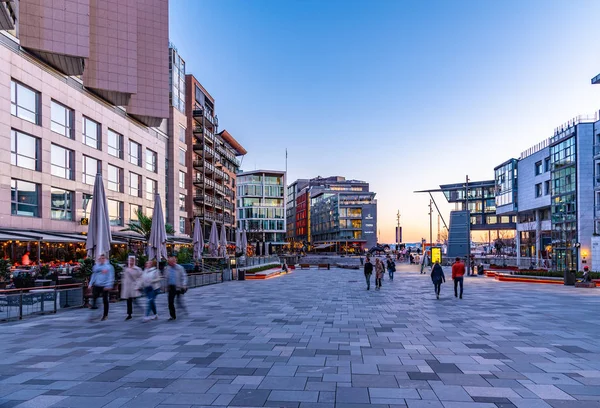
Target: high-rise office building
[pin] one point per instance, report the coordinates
(83, 82)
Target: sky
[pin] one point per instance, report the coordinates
(406, 95)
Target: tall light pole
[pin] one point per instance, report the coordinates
(430, 224)
(398, 230)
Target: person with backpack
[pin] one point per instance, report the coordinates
(391, 267)
(368, 270)
(437, 277)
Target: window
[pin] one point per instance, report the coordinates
(135, 185)
(181, 179)
(151, 160)
(182, 134)
(149, 212)
(61, 204)
(61, 119)
(114, 178)
(181, 156)
(62, 162)
(91, 167)
(115, 212)
(135, 151)
(182, 225)
(547, 187)
(91, 133)
(182, 202)
(133, 212)
(24, 198)
(150, 189)
(24, 150)
(546, 164)
(115, 144)
(538, 168)
(538, 190)
(24, 102)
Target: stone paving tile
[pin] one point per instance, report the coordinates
(307, 342)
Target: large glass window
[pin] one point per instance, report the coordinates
(115, 175)
(115, 212)
(181, 179)
(24, 102)
(115, 144)
(182, 225)
(182, 202)
(150, 189)
(135, 152)
(24, 198)
(181, 156)
(538, 168)
(135, 185)
(151, 160)
(91, 167)
(62, 162)
(61, 119)
(24, 150)
(91, 133)
(133, 212)
(61, 204)
(182, 134)
(538, 190)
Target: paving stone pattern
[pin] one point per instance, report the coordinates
(317, 338)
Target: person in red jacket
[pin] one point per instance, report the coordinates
(458, 271)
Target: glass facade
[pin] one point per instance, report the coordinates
(24, 150)
(506, 183)
(61, 204)
(24, 198)
(564, 204)
(177, 80)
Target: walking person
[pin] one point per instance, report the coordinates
(458, 272)
(176, 281)
(437, 277)
(150, 282)
(368, 272)
(379, 270)
(391, 267)
(102, 281)
(129, 284)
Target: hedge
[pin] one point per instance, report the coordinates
(261, 268)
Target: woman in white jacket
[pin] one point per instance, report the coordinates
(151, 285)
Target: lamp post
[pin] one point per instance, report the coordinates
(398, 230)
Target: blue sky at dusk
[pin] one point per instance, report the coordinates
(405, 95)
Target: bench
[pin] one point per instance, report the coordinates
(323, 266)
(304, 266)
(585, 284)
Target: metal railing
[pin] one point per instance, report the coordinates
(247, 262)
(18, 303)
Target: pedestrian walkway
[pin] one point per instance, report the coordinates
(317, 338)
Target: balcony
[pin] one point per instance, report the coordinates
(203, 181)
(207, 150)
(198, 112)
(229, 206)
(228, 219)
(210, 136)
(208, 215)
(200, 164)
(198, 130)
(219, 174)
(204, 199)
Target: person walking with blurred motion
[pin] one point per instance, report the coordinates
(102, 281)
(458, 273)
(129, 284)
(368, 270)
(437, 277)
(379, 270)
(150, 283)
(391, 267)
(176, 282)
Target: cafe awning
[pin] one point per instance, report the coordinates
(323, 246)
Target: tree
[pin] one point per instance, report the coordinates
(143, 225)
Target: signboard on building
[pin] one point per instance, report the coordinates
(369, 224)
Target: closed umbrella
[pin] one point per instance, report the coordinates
(99, 236)
(157, 243)
(223, 242)
(198, 241)
(238, 240)
(213, 241)
(244, 242)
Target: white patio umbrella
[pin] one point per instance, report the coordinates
(213, 241)
(157, 243)
(198, 241)
(223, 242)
(99, 235)
(244, 242)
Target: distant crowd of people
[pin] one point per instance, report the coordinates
(135, 282)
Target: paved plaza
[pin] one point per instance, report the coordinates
(317, 338)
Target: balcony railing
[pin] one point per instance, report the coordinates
(202, 147)
(219, 174)
(198, 112)
(201, 180)
(209, 135)
(197, 129)
(209, 215)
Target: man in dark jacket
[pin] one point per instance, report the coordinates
(368, 272)
(437, 277)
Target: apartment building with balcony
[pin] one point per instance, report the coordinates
(261, 208)
(212, 161)
(77, 102)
